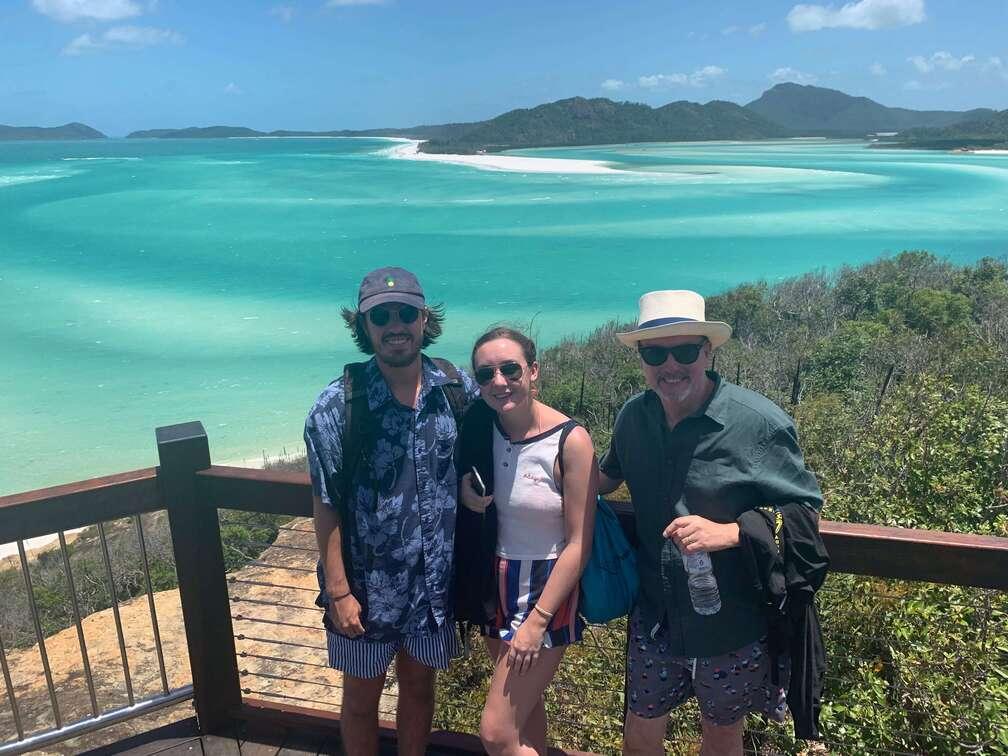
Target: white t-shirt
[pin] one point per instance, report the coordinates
(530, 518)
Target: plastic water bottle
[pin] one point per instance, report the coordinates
(703, 590)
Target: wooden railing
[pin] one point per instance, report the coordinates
(192, 490)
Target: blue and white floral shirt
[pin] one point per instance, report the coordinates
(403, 512)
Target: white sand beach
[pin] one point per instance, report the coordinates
(410, 150)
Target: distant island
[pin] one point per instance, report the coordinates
(989, 133)
(785, 110)
(817, 111)
(579, 121)
(232, 132)
(35, 133)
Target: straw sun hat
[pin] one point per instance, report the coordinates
(674, 313)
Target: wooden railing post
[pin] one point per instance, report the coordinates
(199, 562)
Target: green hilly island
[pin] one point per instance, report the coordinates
(990, 132)
(34, 133)
(816, 111)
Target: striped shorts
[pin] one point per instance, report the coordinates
(364, 657)
(520, 583)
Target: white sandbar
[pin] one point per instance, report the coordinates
(410, 151)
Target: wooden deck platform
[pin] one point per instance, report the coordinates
(182, 738)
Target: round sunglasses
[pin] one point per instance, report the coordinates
(381, 315)
(684, 354)
(510, 370)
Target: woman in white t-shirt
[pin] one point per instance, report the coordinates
(544, 490)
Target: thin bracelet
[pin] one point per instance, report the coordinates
(340, 598)
(543, 612)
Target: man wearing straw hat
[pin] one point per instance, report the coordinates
(697, 454)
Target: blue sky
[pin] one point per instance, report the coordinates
(121, 65)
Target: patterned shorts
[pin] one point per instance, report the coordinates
(369, 657)
(520, 583)
(727, 687)
(363, 657)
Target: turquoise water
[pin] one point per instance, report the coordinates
(151, 282)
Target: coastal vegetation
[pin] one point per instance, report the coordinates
(244, 535)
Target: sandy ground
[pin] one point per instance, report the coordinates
(410, 151)
(280, 645)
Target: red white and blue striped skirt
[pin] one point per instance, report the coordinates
(520, 583)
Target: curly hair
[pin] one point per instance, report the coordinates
(354, 320)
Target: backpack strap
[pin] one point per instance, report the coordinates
(357, 425)
(356, 435)
(567, 428)
(454, 390)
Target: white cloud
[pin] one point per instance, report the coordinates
(284, 12)
(994, 65)
(699, 78)
(729, 30)
(80, 45)
(864, 14)
(97, 10)
(940, 60)
(913, 85)
(122, 38)
(662, 80)
(234, 89)
(756, 29)
(877, 69)
(703, 76)
(612, 85)
(346, 3)
(787, 73)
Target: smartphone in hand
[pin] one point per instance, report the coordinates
(477, 482)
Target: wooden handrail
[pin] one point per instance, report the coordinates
(873, 550)
(76, 505)
(902, 553)
(251, 490)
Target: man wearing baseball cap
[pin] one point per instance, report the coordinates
(380, 441)
(699, 456)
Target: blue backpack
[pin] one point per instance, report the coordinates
(609, 581)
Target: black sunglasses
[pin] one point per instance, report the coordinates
(381, 315)
(684, 354)
(510, 370)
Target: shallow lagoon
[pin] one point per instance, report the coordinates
(151, 282)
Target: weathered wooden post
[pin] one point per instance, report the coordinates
(199, 562)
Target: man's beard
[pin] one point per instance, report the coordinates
(398, 359)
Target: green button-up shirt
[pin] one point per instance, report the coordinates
(738, 452)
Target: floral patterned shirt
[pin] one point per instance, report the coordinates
(403, 512)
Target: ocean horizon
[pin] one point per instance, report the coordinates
(150, 282)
